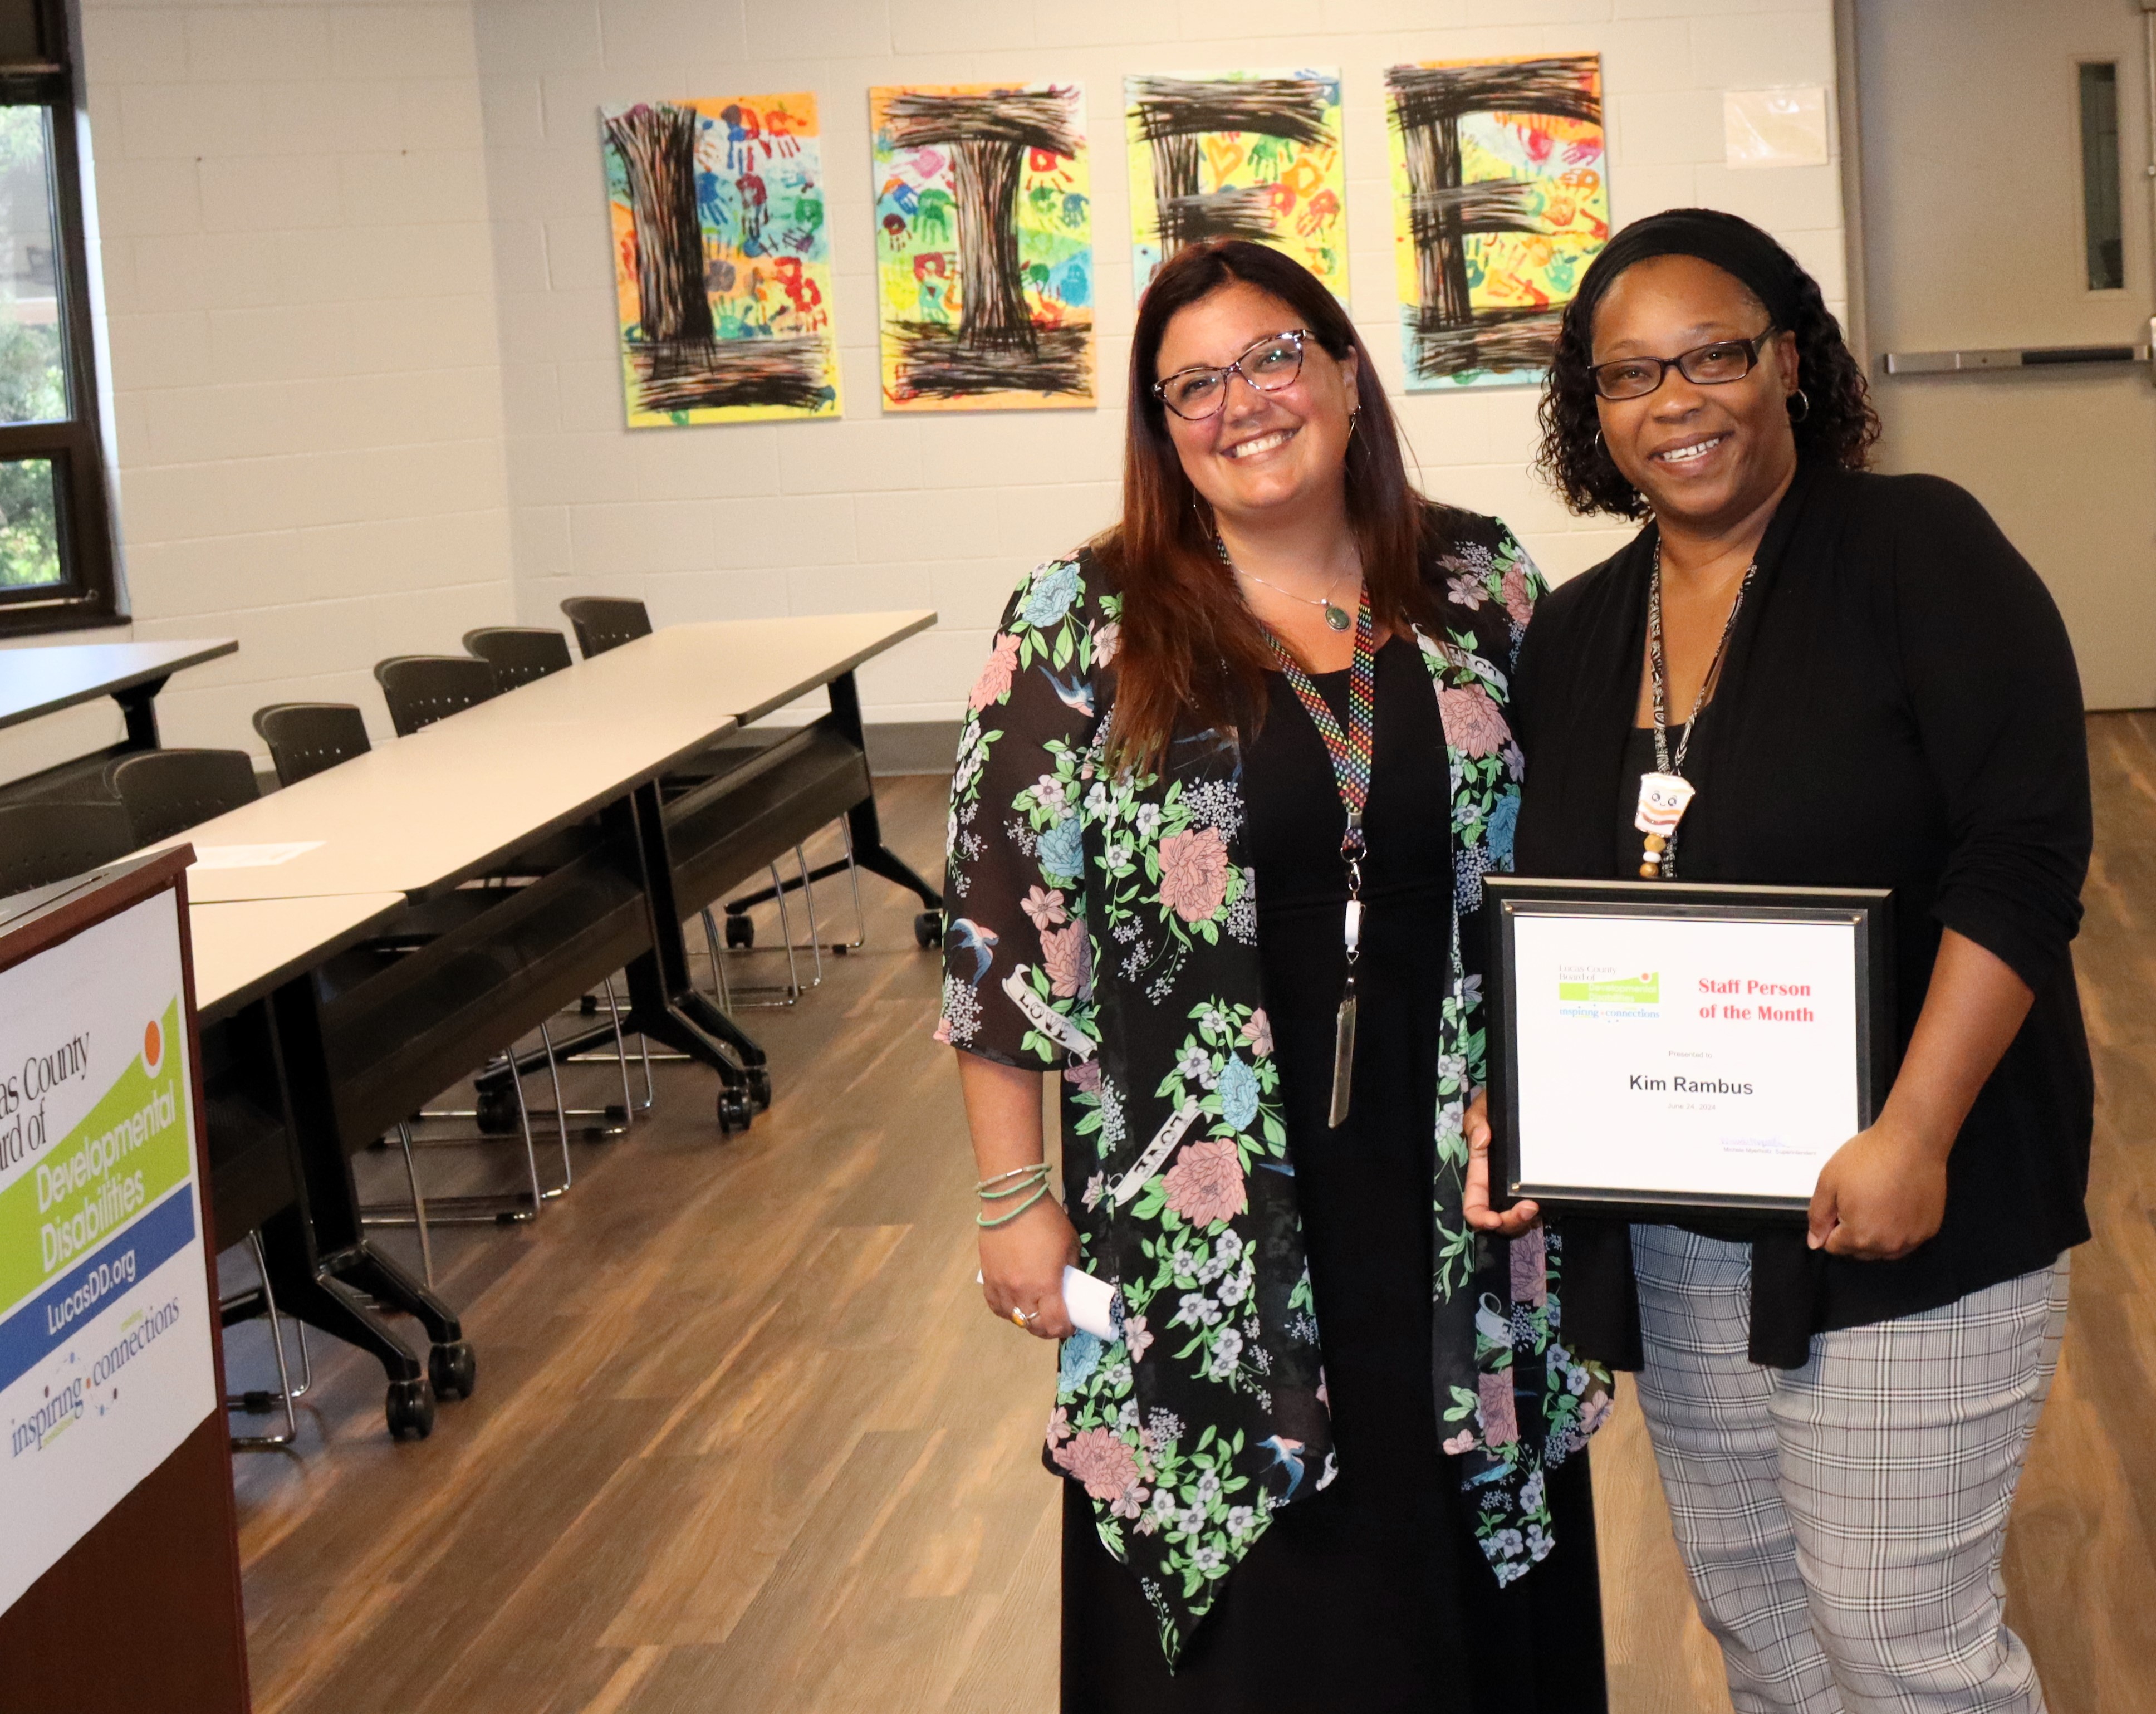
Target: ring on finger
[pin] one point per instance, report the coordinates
(1023, 1318)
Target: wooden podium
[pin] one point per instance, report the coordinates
(120, 1555)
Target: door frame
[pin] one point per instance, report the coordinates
(1849, 126)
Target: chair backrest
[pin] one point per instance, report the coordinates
(422, 689)
(604, 622)
(167, 792)
(306, 737)
(41, 843)
(519, 654)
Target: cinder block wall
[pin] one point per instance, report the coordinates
(365, 392)
(892, 510)
(293, 247)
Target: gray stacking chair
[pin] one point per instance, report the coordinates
(167, 792)
(305, 738)
(422, 689)
(41, 843)
(519, 654)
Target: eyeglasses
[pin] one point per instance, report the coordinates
(1716, 365)
(1270, 365)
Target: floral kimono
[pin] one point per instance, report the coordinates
(1105, 926)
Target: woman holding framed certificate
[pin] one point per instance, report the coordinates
(1230, 778)
(1799, 675)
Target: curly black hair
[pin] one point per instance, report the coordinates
(1838, 423)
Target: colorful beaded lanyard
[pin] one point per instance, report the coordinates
(1350, 752)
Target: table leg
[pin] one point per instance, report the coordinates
(869, 851)
(324, 1270)
(138, 706)
(663, 1003)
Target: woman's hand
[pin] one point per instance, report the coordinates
(1022, 1268)
(1475, 1202)
(1880, 1195)
(1884, 1191)
(1022, 1262)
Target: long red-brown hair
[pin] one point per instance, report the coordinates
(1190, 650)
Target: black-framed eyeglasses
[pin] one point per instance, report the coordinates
(1716, 365)
(1270, 365)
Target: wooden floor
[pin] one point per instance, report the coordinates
(745, 1439)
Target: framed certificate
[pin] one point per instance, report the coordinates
(1660, 1045)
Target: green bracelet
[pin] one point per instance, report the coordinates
(1027, 1178)
(988, 1225)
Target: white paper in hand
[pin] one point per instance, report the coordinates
(1092, 1304)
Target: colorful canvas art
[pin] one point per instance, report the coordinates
(722, 261)
(1241, 154)
(984, 247)
(1500, 201)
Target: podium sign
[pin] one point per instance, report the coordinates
(109, 1363)
(105, 1337)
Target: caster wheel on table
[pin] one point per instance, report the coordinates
(454, 1370)
(734, 1111)
(759, 1086)
(928, 928)
(741, 930)
(495, 1110)
(410, 1408)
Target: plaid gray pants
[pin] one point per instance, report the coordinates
(1842, 1523)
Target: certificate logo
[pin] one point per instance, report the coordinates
(1598, 988)
(1607, 992)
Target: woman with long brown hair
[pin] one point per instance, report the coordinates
(1230, 778)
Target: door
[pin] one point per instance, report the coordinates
(2005, 149)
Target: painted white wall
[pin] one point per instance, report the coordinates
(881, 511)
(294, 247)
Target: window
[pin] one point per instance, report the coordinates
(2104, 233)
(55, 528)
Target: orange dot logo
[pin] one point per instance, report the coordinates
(153, 1045)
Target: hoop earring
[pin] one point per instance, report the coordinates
(1806, 404)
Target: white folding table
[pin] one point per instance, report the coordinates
(282, 887)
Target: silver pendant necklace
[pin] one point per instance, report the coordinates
(1335, 616)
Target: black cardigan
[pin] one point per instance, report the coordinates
(1899, 708)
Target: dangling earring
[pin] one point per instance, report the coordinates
(1803, 404)
(1353, 417)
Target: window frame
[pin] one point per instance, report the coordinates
(87, 593)
(2085, 158)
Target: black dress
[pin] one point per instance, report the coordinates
(1374, 1596)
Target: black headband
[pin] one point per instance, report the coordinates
(1734, 245)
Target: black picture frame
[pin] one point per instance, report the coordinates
(1507, 898)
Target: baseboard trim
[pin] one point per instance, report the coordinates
(904, 747)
